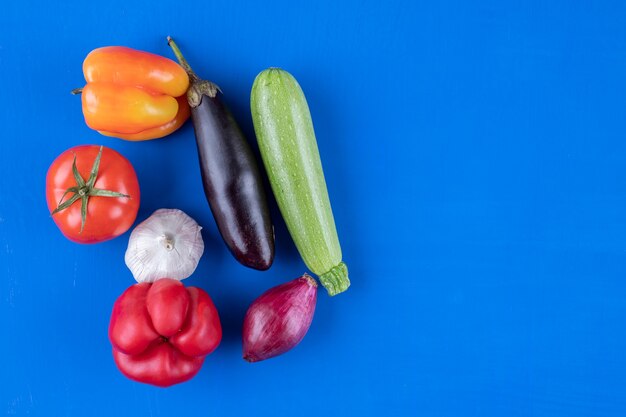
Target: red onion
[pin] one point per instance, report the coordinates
(278, 320)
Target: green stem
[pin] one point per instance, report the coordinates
(181, 59)
(84, 190)
(336, 280)
(198, 87)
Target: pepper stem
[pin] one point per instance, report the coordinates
(76, 91)
(336, 280)
(181, 59)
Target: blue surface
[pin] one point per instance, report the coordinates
(475, 157)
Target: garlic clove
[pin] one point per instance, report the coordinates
(168, 244)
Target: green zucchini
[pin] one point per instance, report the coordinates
(284, 130)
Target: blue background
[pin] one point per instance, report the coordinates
(475, 157)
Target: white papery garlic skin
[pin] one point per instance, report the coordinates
(167, 244)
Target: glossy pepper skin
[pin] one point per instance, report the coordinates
(133, 95)
(162, 331)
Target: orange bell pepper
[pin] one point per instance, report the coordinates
(133, 95)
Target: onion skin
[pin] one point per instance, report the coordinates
(278, 320)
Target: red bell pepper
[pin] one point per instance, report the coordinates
(162, 331)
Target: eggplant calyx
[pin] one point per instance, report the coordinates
(201, 88)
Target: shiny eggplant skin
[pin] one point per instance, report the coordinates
(230, 174)
(233, 184)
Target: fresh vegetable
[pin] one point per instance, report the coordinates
(166, 244)
(278, 320)
(92, 193)
(284, 130)
(133, 95)
(161, 332)
(230, 174)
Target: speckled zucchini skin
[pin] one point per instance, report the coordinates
(284, 130)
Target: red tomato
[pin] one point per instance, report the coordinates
(111, 200)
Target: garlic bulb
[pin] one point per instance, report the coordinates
(168, 244)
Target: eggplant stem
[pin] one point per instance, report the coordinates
(181, 59)
(198, 87)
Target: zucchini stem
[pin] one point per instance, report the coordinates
(336, 280)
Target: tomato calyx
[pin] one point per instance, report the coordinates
(85, 189)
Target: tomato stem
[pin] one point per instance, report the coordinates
(84, 190)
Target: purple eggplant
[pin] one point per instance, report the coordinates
(230, 174)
